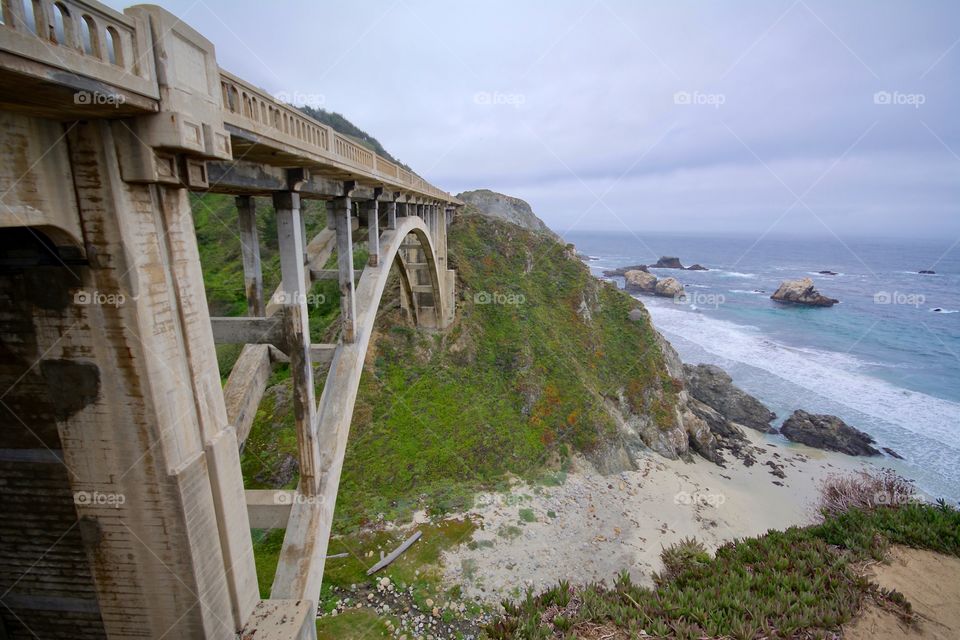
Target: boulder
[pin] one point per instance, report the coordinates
(697, 267)
(668, 288)
(667, 262)
(827, 432)
(622, 271)
(713, 387)
(719, 425)
(640, 281)
(802, 292)
(700, 437)
(927, 272)
(827, 272)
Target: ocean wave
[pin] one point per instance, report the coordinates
(735, 274)
(753, 292)
(939, 310)
(831, 375)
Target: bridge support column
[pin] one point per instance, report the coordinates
(373, 231)
(112, 360)
(296, 335)
(391, 216)
(250, 249)
(341, 210)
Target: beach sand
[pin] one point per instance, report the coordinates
(591, 527)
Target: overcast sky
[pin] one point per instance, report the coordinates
(782, 115)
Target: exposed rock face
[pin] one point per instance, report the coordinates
(668, 262)
(515, 210)
(697, 267)
(640, 281)
(827, 432)
(622, 271)
(686, 433)
(713, 387)
(669, 288)
(802, 292)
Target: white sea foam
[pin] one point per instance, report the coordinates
(736, 274)
(835, 376)
(750, 291)
(935, 310)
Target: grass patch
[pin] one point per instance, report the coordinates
(527, 515)
(798, 583)
(355, 623)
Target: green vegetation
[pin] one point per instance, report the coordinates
(517, 382)
(799, 583)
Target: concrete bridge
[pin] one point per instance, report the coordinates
(124, 513)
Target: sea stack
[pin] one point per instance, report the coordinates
(802, 292)
(636, 281)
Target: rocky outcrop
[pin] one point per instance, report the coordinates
(713, 387)
(667, 262)
(927, 272)
(802, 292)
(622, 271)
(503, 207)
(636, 281)
(697, 267)
(668, 288)
(827, 432)
(685, 433)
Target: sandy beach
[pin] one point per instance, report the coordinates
(592, 526)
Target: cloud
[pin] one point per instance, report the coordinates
(690, 113)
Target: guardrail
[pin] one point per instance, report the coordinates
(82, 37)
(252, 109)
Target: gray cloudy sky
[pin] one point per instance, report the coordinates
(802, 115)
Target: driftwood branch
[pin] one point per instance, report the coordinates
(395, 553)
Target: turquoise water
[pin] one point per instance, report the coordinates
(884, 359)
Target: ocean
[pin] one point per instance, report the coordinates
(886, 359)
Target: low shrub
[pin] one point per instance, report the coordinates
(867, 490)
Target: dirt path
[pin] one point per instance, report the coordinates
(931, 582)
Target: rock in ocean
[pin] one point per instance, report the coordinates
(802, 292)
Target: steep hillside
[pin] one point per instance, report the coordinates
(543, 360)
(497, 205)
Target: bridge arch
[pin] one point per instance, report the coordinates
(300, 570)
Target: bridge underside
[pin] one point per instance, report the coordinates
(125, 513)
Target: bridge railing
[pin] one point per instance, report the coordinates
(248, 108)
(81, 37)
